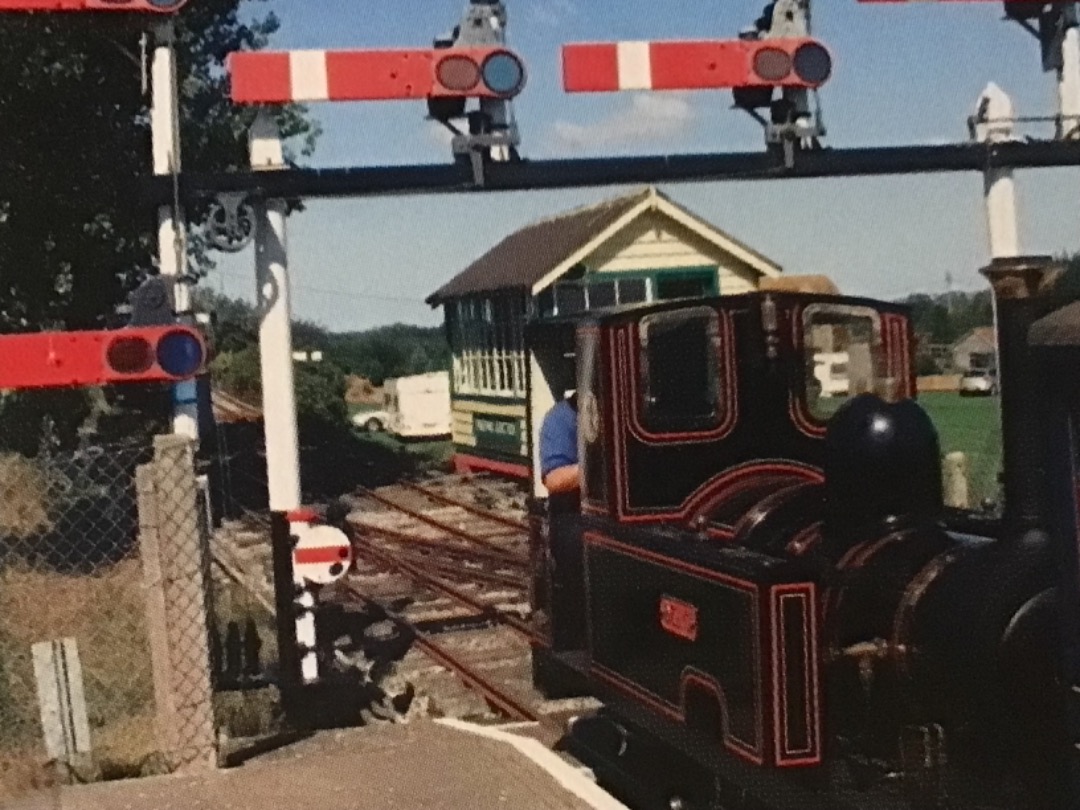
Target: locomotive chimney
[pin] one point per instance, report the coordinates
(1020, 285)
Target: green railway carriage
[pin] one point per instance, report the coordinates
(634, 248)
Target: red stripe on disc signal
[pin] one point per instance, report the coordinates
(317, 556)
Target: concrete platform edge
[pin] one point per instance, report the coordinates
(561, 771)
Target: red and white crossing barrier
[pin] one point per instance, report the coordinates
(136, 6)
(278, 77)
(694, 65)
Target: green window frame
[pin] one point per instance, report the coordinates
(655, 280)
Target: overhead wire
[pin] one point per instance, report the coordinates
(360, 296)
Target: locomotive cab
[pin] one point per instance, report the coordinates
(691, 413)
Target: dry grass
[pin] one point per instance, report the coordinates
(105, 615)
(24, 498)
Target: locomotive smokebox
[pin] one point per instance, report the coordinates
(882, 464)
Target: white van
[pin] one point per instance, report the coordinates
(418, 406)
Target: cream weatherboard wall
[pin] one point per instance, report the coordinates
(653, 242)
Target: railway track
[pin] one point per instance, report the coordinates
(453, 575)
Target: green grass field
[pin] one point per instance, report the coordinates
(970, 425)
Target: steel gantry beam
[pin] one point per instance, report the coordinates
(585, 172)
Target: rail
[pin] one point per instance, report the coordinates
(463, 552)
(365, 548)
(508, 705)
(454, 531)
(468, 507)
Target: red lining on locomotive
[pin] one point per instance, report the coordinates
(729, 396)
(811, 755)
(806, 592)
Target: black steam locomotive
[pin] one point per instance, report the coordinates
(765, 588)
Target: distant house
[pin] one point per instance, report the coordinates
(635, 248)
(975, 350)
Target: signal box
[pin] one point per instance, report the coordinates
(73, 359)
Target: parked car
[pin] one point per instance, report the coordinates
(372, 421)
(979, 382)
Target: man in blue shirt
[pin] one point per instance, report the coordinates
(559, 468)
(560, 473)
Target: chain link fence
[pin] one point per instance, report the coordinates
(104, 650)
(70, 569)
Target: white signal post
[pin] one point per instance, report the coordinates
(278, 389)
(1069, 83)
(994, 124)
(172, 242)
(275, 327)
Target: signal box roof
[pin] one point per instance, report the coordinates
(526, 257)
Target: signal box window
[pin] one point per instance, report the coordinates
(844, 357)
(633, 290)
(602, 294)
(680, 374)
(569, 299)
(680, 285)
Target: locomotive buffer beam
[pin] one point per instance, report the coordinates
(584, 172)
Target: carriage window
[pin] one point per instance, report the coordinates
(845, 357)
(590, 420)
(680, 377)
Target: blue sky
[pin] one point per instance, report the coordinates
(905, 73)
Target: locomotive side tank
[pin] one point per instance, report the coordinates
(779, 607)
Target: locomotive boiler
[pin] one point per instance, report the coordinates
(776, 607)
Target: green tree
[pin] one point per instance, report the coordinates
(236, 324)
(391, 351)
(75, 230)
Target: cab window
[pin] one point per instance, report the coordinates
(680, 371)
(844, 357)
(590, 420)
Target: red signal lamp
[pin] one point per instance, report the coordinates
(136, 6)
(795, 62)
(75, 359)
(280, 77)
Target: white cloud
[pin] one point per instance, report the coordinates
(646, 119)
(552, 13)
(438, 134)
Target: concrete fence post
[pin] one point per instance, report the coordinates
(956, 481)
(176, 572)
